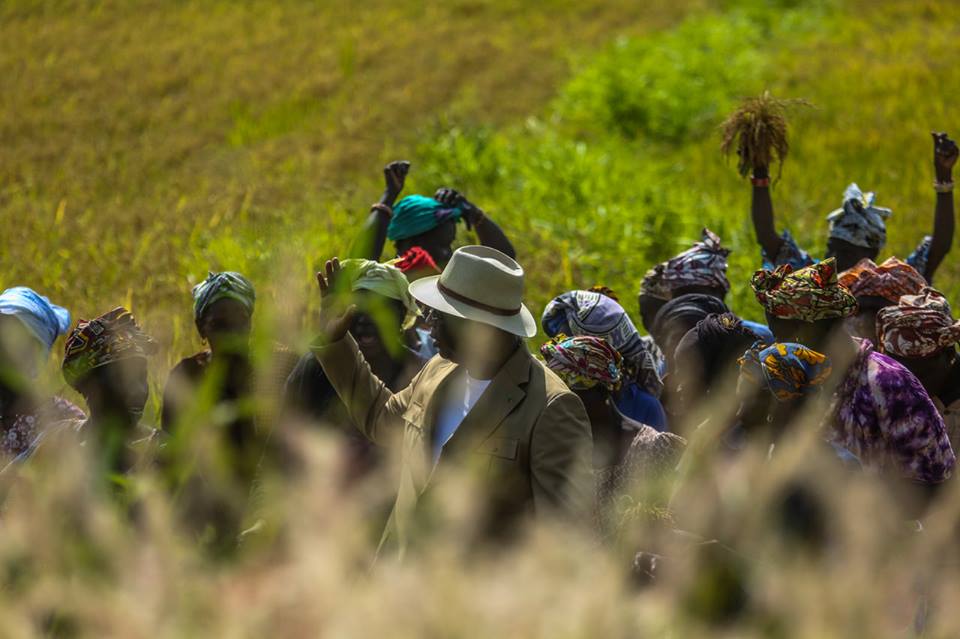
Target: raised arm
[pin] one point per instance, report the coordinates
(945, 154)
(373, 408)
(369, 244)
(761, 211)
(488, 232)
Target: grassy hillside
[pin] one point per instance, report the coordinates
(146, 142)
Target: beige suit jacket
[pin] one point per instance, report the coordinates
(528, 435)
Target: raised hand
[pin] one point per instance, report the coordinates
(394, 175)
(336, 312)
(945, 153)
(472, 214)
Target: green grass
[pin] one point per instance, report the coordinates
(145, 143)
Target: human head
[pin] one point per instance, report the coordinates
(709, 353)
(921, 333)
(29, 325)
(875, 287)
(857, 229)
(774, 378)
(593, 313)
(806, 305)
(477, 311)
(105, 360)
(680, 315)
(223, 310)
(385, 307)
(701, 269)
(424, 222)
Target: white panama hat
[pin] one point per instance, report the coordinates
(480, 284)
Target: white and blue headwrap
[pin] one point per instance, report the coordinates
(46, 321)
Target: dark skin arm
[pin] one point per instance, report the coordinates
(488, 232)
(761, 211)
(369, 244)
(945, 153)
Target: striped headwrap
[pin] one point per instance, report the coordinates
(219, 286)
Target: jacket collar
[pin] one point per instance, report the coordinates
(506, 390)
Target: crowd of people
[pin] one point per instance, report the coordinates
(426, 353)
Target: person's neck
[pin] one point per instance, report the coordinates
(950, 390)
(489, 368)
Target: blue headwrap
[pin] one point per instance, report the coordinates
(45, 320)
(418, 214)
(858, 221)
(225, 285)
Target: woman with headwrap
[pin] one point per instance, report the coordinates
(105, 360)
(921, 334)
(773, 384)
(700, 270)
(426, 222)
(880, 411)
(706, 359)
(680, 315)
(593, 369)
(223, 306)
(29, 326)
(595, 314)
(876, 287)
(858, 228)
(384, 328)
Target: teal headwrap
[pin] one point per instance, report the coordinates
(218, 286)
(418, 214)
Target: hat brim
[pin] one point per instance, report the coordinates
(426, 292)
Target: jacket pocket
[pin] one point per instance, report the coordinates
(501, 447)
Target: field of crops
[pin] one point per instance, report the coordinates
(144, 143)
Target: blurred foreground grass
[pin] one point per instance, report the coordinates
(145, 142)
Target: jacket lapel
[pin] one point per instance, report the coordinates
(504, 393)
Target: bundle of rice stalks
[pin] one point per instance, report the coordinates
(757, 131)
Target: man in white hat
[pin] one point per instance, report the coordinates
(483, 401)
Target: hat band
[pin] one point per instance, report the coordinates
(474, 303)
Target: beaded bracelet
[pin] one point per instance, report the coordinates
(760, 182)
(943, 187)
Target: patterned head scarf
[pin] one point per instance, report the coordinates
(46, 321)
(809, 295)
(583, 362)
(889, 280)
(705, 264)
(858, 221)
(919, 326)
(653, 284)
(416, 261)
(383, 279)
(112, 337)
(218, 286)
(788, 370)
(418, 214)
(593, 313)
